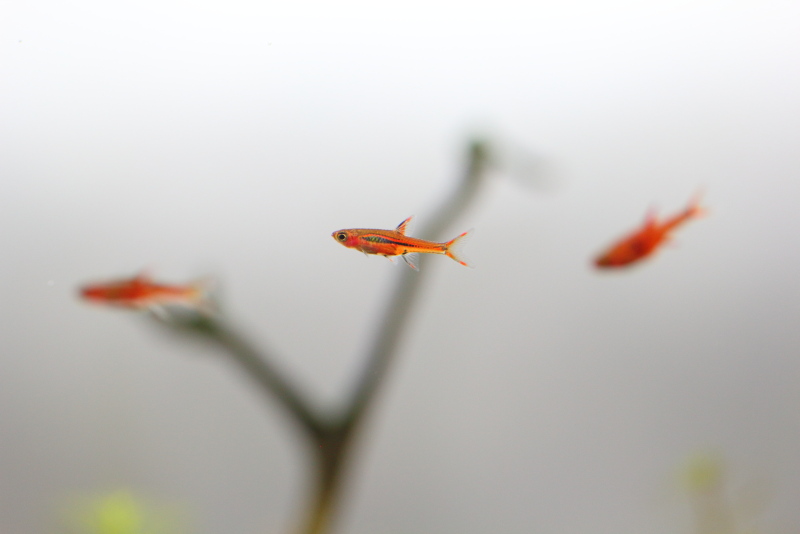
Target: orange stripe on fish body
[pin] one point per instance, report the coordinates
(392, 243)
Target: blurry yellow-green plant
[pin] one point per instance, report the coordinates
(717, 508)
(121, 512)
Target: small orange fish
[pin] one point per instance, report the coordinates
(392, 243)
(647, 239)
(140, 292)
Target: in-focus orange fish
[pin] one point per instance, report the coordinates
(140, 292)
(647, 239)
(391, 243)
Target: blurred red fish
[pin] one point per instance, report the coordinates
(647, 239)
(140, 292)
(391, 243)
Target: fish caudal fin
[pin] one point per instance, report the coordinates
(694, 209)
(454, 246)
(205, 295)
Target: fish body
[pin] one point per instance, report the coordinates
(392, 243)
(645, 241)
(140, 292)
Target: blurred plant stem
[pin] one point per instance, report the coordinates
(331, 434)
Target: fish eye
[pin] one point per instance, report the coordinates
(341, 236)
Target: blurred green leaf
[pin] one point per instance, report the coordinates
(120, 512)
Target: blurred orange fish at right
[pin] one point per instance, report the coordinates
(646, 240)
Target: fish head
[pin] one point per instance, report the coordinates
(605, 260)
(113, 291)
(101, 293)
(348, 238)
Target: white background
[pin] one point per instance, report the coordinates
(533, 394)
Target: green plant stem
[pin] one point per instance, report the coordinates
(384, 349)
(329, 469)
(331, 438)
(405, 295)
(259, 366)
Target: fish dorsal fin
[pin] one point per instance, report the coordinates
(651, 217)
(143, 277)
(403, 227)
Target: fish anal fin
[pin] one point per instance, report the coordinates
(412, 259)
(404, 226)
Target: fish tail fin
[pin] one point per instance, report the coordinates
(205, 295)
(454, 246)
(695, 209)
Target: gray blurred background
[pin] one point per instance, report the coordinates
(533, 394)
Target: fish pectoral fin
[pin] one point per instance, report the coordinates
(181, 312)
(160, 312)
(412, 259)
